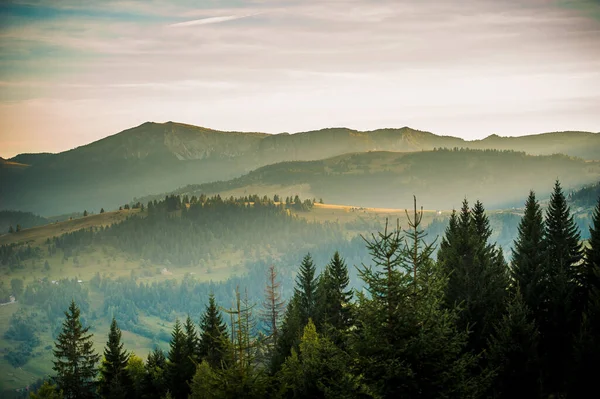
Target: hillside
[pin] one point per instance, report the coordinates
(159, 157)
(442, 178)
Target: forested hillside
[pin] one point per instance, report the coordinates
(442, 178)
(465, 322)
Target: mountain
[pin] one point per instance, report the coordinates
(441, 179)
(159, 157)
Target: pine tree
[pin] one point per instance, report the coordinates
(114, 382)
(289, 336)
(75, 359)
(101, 210)
(18, 228)
(10, 229)
(191, 349)
(559, 318)
(155, 380)
(335, 298)
(273, 305)
(176, 377)
(406, 340)
(85, 213)
(591, 267)
(213, 345)
(306, 287)
(528, 255)
(513, 353)
(47, 391)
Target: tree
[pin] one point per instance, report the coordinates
(318, 370)
(306, 287)
(176, 365)
(407, 341)
(591, 267)
(191, 349)
(115, 381)
(137, 374)
(335, 298)
(559, 320)
(18, 228)
(155, 379)
(101, 210)
(47, 391)
(85, 213)
(513, 353)
(213, 345)
(273, 305)
(10, 229)
(75, 359)
(528, 255)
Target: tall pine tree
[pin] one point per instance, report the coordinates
(75, 359)
(176, 364)
(306, 288)
(114, 382)
(528, 255)
(559, 319)
(213, 344)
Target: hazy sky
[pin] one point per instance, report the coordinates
(73, 73)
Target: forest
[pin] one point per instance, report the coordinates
(454, 318)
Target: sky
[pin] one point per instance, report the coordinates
(72, 72)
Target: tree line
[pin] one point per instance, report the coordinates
(465, 325)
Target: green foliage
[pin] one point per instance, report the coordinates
(47, 391)
(115, 381)
(319, 370)
(213, 341)
(137, 373)
(528, 255)
(75, 359)
(155, 383)
(176, 364)
(306, 289)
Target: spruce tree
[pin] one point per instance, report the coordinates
(176, 377)
(591, 267)
(114, 382)
(191, 349)
(75, 359)
(335, 298)
(155, 380)
(559, 318)
(11, 229)
(213, 344)
(273, 305)
(513, 353)
(306, 287)
(528, 255)
(289, 336)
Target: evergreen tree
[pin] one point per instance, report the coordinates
(528, 255)
(191, 349)
(101, 210)
(75, 359)
(306, 287)
(406, 340)
(589, 277)
(478, 279)
(18, 228)
(335, 298)
(85, 213)
(213, 345)
(136, 371)
(176, 377)
(10, 229)
(114, 382)
(155, 383)
(513, 353)
(559, 320)
(273, 305)
(289, 336)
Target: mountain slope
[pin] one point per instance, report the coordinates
(441, 179)
(158, 157)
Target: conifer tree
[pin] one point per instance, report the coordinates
(176, 377)
(306, 287)
(155, 379)
(513, 353)
(114, 382)
(47, 391)
(213, 344)
(528, 255)
(273, 305)
(335, 297)
(101, 210)
(10, 229)
(191, 349)
(559, 318)
(75, 359)
(406, 340)
(591, 267)
(289, 336)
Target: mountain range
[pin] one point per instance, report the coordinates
(160, 157)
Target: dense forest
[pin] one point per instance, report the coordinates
(460, 322)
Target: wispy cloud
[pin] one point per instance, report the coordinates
(211, 20)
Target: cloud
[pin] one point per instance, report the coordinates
(211, 20)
